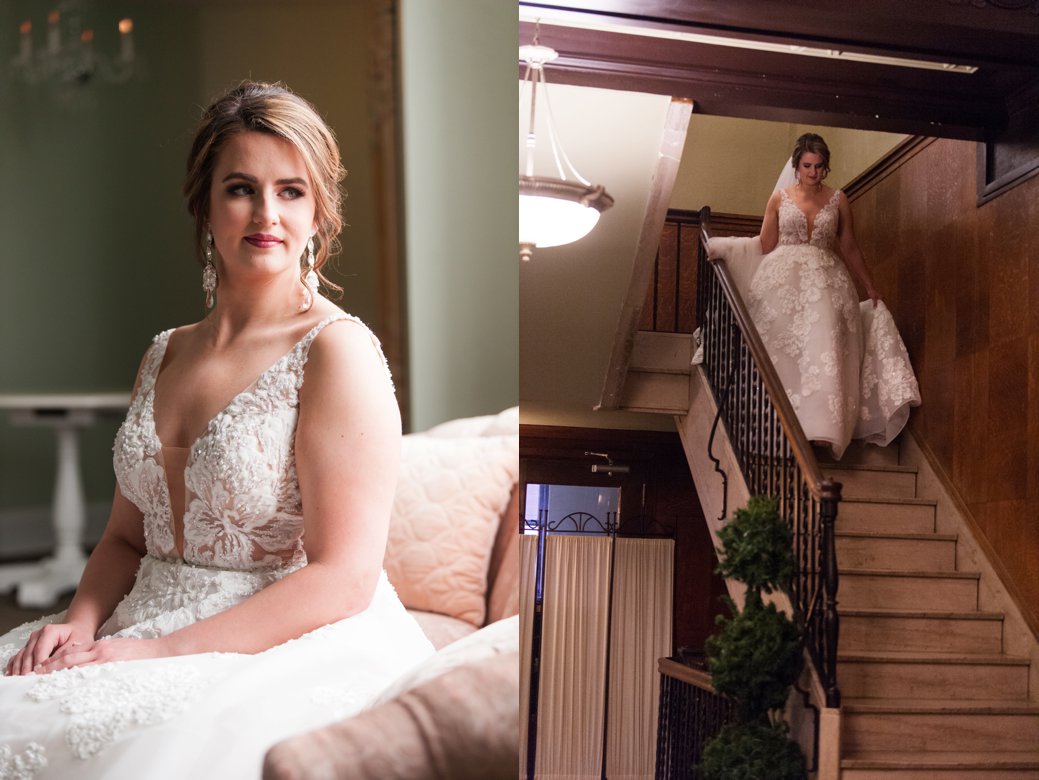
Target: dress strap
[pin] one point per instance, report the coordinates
(153, 359)
(303, 346)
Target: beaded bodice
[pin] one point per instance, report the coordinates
(242, 507)
(793, 223)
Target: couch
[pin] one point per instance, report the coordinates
(453, 557)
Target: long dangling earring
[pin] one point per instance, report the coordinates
(209, 279)
(309, 276)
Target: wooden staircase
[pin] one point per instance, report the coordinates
(928, 690)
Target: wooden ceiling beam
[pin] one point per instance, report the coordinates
(1002, 32)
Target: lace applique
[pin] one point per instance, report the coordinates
(793, 222)
(168, 595)
(104, 702)
(236, 515)
(24, 765)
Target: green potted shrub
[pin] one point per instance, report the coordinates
(756, 656)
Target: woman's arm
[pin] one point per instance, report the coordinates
(347, 457)
(850, 249)
(770, 224)
(108, 576)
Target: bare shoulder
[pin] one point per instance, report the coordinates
(346, 353)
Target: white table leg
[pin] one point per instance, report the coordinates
(40, 584)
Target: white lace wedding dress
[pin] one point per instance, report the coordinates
(212, 714)
(843, 363)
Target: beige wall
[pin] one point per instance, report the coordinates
(732, 165)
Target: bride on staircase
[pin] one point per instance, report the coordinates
(842, 363)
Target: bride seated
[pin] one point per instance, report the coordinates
(237, 594)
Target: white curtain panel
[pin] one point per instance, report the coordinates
(573, 658)
(528, 563)
(641, 633)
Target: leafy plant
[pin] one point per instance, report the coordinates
(756, 657)
(757, 548)
(752, 751)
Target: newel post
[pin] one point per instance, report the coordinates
(831, 496)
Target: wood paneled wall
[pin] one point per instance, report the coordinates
(963, 283)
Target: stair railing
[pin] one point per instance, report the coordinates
(773, 452)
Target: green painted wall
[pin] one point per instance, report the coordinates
(95, 243)
(459, 120)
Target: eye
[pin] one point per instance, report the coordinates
(240, 189)
(292, 193)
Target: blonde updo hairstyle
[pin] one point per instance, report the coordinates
(814, 144)
(259, 107)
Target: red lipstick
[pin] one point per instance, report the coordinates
(263, 240)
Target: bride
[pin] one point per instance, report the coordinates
(842, 363)
(237, 594)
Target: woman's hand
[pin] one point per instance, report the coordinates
(874, 296)
(77, 653)
(44, 643)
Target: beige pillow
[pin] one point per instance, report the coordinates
(496, 639)
(463, 725)
(449, 501)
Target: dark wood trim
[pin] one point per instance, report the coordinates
(721, 223)
(781, 86)
(1020, 139)
(987, 190)
(886, 165)
(938, 30)
(382, 20)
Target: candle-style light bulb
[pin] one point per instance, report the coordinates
(126, 51)
(53, 32)
(25, 43)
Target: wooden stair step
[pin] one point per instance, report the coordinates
(921, 631)
(653, 391)
(905, 515)
(937, 725)
(859, 453)
(874, 481)
(873, 550)
(949, 591)
(946, 765)
(931, 675)
(666, 353)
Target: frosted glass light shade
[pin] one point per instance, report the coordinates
(553, 212)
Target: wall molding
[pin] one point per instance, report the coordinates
(902, 153)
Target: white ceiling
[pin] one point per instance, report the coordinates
(570, 296)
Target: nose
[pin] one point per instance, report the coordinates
(265, 210)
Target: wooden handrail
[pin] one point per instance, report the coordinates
(819, 486)
(815, 586)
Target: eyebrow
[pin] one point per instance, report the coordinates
(249, 178)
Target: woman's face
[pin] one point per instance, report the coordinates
(261, 208)
(811, 170)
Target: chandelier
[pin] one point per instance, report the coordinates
(552, 210)
(69, 54)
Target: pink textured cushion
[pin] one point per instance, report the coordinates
(446, 512)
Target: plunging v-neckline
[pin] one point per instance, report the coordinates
(809, 223)
(192, 449)
(248, 388)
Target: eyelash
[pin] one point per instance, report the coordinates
(244, 190)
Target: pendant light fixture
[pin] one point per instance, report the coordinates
(552, 210)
